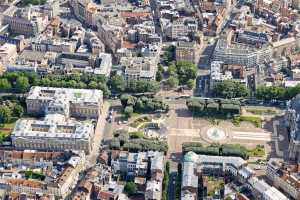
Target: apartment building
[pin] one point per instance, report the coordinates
(136, 165)
(181, 27)
(44, 44)
(263, 191)
(293, 125)
(60, 172)
(110, 35)
(195, 166)
(284, 177)
(241, 54)
(8, 53)
(139, 68)
(81, 103)
(186, 51)
(26, 22)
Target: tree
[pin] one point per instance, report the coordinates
(159, 76)
(93, 85)
(190, 83)
(45, 82)
(104, 88)
(18, 111)
(169, 54)
(130, 188)
(81, 85)
(230, 89)
(186, 70)
(274, 92)
(152, 86)
(118, 83)
(172, 82)
(22, 84)
(5, 114)
(128, 111)
(4, 84)
(172, 71)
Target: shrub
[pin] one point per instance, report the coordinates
(136, 135)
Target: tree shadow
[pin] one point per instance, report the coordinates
(183, 112)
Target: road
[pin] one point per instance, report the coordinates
(172, 186)
(92, 157)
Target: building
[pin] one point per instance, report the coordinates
(60, 172)
(262, 190)
(111, 36)
(284, 47)
(195, 166)
(136, 165)
(8, 53)
(186, 51)
(293, 125)
(284, 177)
(236, 53)
(19, 41)
(181, 28)
(139, 68)
(153, 190)
(55, 45)
(26, 22)
(53, 133)
(220, 72)
(103, 64)
(79, 103)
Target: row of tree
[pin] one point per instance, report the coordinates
(22, 81)
(165, 182)
(142, 104)
(277, 92)
(208, 107)
(137, 145)
(118, 85)
(216, 149)
(230, 89)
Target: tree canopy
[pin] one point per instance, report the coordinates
(230, 89)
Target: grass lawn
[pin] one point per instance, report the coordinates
(258, 151)
(213, 185)
(262, 111)
(136, 135)
(8, 125)
(139, 121)
(256, 121)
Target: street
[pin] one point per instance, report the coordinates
(172, 185)
(92, 157)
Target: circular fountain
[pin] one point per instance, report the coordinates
(215, 134)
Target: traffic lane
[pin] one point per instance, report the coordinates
(172, 186)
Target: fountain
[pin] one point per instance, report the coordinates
(215, 134)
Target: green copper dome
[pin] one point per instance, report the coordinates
(190, 157)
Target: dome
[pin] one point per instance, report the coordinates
(190, 157)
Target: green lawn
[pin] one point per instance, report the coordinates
(261, 111)
(34, 175)
(139, 121)
(213, 185)
(8, 125)
(258, 151)
(136, 135)
(256, 121)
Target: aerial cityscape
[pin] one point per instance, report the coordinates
(149, 99)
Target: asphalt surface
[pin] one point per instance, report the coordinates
(172, 185)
